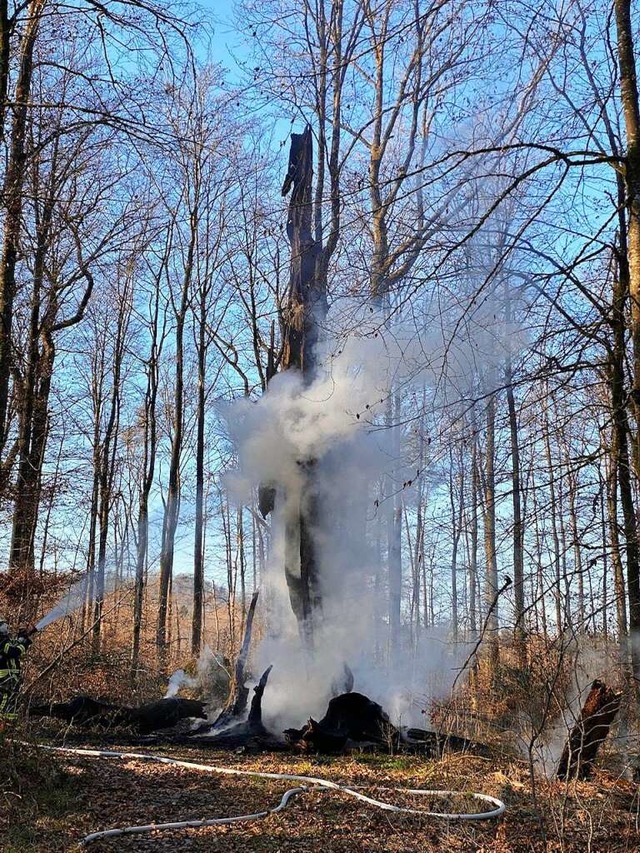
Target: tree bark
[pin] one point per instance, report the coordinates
(107, 459)
(198, 544)
(598, 713)
(148, 471)
(172, 507)
(631, 111)
(13, 201)
(491, 577)
(518, 525)
(301, 319)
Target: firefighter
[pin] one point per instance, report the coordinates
(11, 652)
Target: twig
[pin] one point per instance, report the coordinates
(507, 583)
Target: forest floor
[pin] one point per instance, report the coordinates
(50, 801)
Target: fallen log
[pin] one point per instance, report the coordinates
(152, 716)
(166, 713)
(590, 731)
(81, 710)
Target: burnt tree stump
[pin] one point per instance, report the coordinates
(237, 702)
(250, 734)
(350, 717)
(590, 731)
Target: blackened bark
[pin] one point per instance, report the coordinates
(306, 307)
(301, 320)
(237, 701)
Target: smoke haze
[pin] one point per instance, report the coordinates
(340, 422)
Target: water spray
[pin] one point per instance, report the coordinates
(69, 603)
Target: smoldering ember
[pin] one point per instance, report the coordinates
(320, 426)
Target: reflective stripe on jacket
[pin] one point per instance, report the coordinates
(11, 652)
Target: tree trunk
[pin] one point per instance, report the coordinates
(13, 199)
(620, 486)
(148, 470)
(598, 713)
(172, 507)
(518, 524)
(198, 544)
(631, 112)
(456, 496)
(300, 319)
(491, 577)
(107, 462)
(554, 511)
(473, 537)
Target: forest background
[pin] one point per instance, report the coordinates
(476, 220)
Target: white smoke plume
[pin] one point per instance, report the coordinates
(212, 678)
(177, 680)
(338, 421)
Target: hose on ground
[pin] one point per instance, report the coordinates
(307, 783)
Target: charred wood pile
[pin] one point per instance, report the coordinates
(353, 721)
(351, 717)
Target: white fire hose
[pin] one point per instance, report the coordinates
(309, 783)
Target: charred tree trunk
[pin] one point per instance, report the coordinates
(301, 319)
(306, 307)
(250, 734)
(591, 729)
(239, 694)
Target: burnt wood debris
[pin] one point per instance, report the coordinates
(352, 720)
(150, 717)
